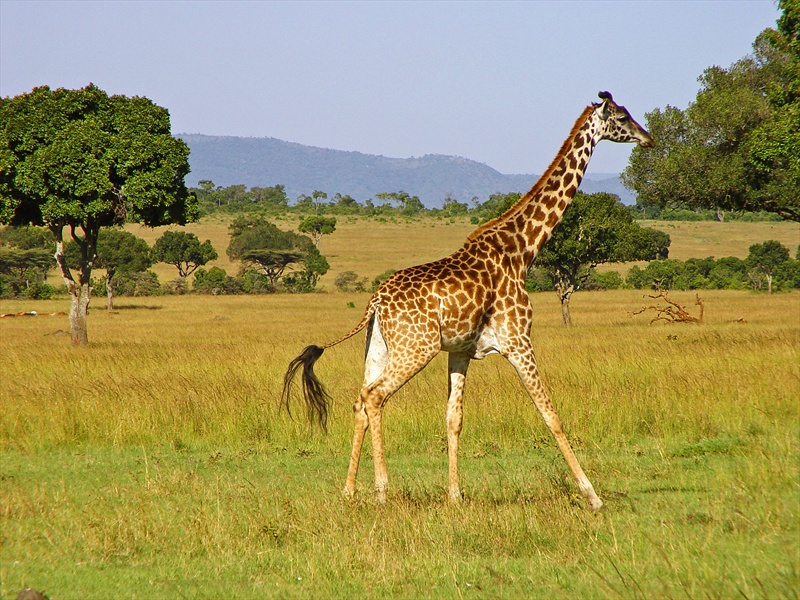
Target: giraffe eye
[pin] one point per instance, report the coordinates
(623, 118)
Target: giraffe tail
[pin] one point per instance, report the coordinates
(316, 397)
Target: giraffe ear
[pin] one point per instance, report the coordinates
(604, 111)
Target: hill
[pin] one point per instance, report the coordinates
(302, 169)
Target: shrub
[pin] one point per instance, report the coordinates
(215, 281)
(135, 284)
(349, 281)
(378, 281)
(255, 282)
(177, 286)
(538, 280)
(38, 290)
(606, 280)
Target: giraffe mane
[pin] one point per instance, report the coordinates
(537, 187)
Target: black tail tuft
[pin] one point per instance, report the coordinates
(314, 393)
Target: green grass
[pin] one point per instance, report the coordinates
(156, 462)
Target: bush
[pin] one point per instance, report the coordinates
(176, 286)
(538, 280)
(135, 284)
(215, 281)
(349, 281)
(607, 280)
(255, 282)
(378, 281)
(38, 291)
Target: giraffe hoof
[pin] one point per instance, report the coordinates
(348, 494)
(596, 504)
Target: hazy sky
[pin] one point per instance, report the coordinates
(496, 82)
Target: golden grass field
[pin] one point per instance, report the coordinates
(156, 462)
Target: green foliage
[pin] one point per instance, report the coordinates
(453, 208)
(75, 157)
(237, 198)
(261, 244)
(349, 281)
(317, 226)
(315, 265)
(27, 237)
(496, 205)
(378, 281)
(766, 260)
(83, 160)
(215, 281)
(768, 265)
(26, 255)
(605, 280)
(183, 250)
(408, 205)
(131, 284)
(737, 146)
(117, 250)
(595, 229)
(539, 280)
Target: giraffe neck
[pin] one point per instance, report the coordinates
(527, 225)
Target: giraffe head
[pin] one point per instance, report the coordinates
(617, 124)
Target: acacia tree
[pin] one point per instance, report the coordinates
(408, 204)
(184, 251)
(257, 242)
(79, 160)
(317, 226)
(596, 229)
(737, 146)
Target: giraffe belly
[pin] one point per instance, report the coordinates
(476, 344)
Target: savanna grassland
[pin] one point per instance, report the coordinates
(156, 462)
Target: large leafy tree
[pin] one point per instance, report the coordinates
(184, 251)
(78, 160)
(766, 259)
(261, 244)
(737, 146)
(596, 229)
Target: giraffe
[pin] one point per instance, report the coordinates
(470, 304)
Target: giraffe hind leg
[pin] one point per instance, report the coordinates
(375, 361)
(402, 366)
(457, 372)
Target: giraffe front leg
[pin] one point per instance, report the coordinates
(525, 364)
(361, 424)
(457, 372)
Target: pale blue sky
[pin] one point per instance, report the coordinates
(496, 82)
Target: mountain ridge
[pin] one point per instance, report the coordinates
(301, 169)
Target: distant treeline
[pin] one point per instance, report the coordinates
(271, 201)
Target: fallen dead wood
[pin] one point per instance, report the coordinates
(672, 312)
(32, 313)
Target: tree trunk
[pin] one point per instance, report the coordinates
(564, 294)
(566, 319)
(109, 291)
(80, 294)
(769, 283)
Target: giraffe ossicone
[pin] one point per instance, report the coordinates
(470, 304)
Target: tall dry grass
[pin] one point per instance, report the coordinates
(156, 462)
